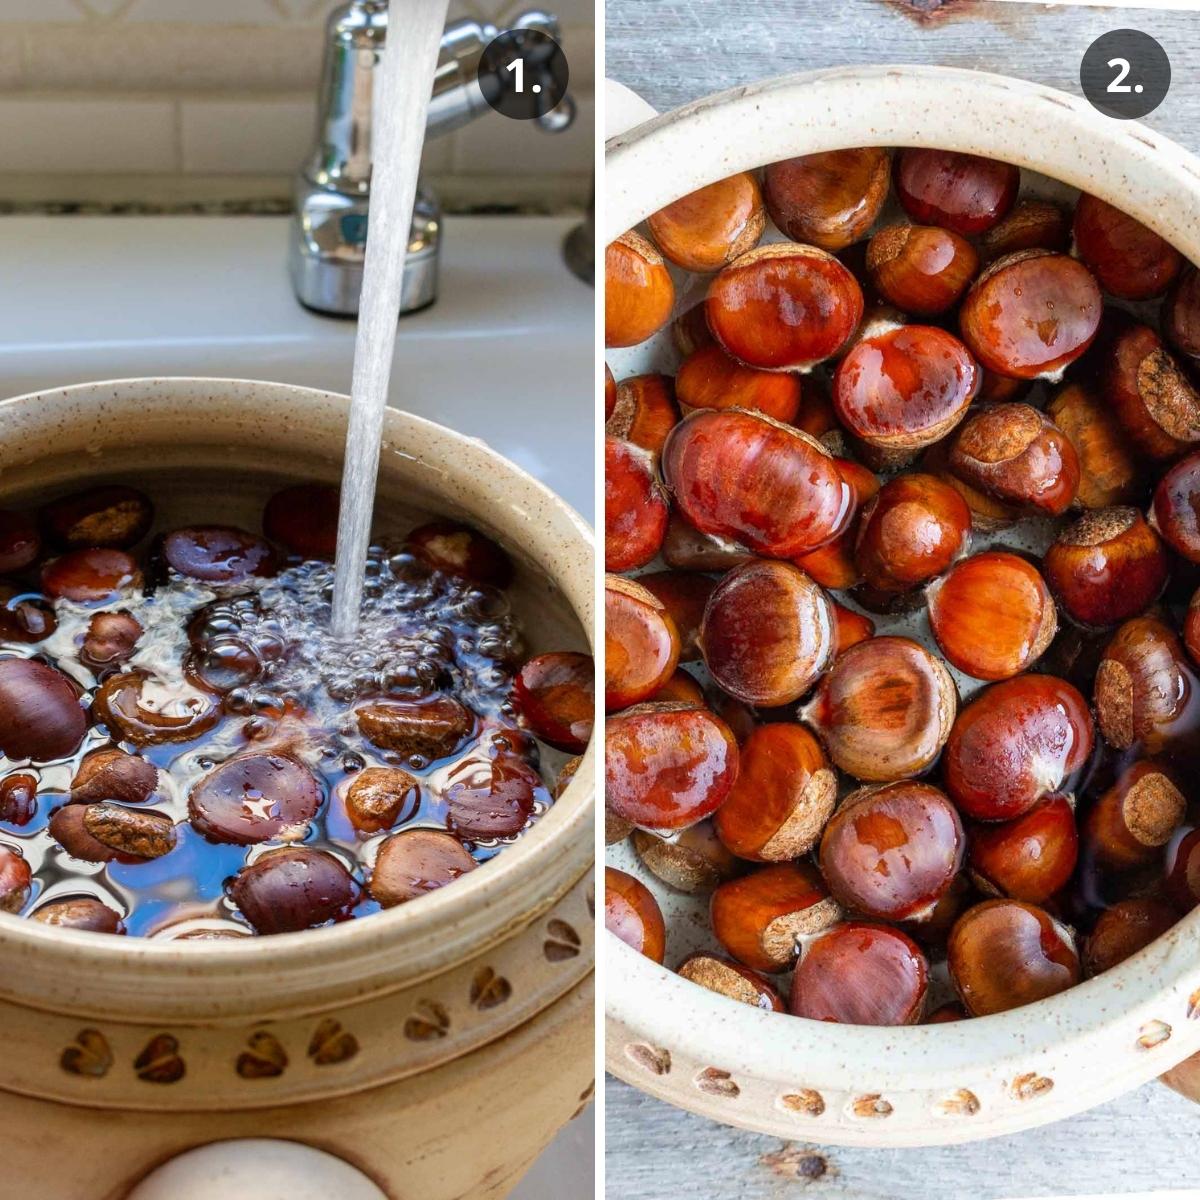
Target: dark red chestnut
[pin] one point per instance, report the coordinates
(295, 888)
(25, 617)
(1129, 260)
(1182, 870)
(1136, 817)
(635, 507)
(830, 199)
(921, 269)
(40, 715)
(1181, 313)
(110, 640)
(16, 879)
(255, 798)
(960, 192)
(684, 595)
(20, 542)
(555, 694)
(632, 914)
(82, 912)
(1031, 225)
(1176, 509)
(90, 576)
(1030, 858)
(304, 518)
(1121, 931)
(491, 798)
(709, 378)
(112, 774)
(645, 411)
(218, 554)
(458, 550)
(145, 711)
(18, 798)
(641, 643)
(433, 727)
(1155, 401)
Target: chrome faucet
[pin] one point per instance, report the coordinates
(333, 189)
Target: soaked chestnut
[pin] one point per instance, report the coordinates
(767, 633)
(710, 227)
(833, 565)
(1031, 225)
(1015, 743)
(295, 888)
(784, 794)
(110, 640)
(641, 643)
(1181, 313)
(40, 715)
(20, 542)
(891, 852)
(945, 1014)
(635, 507)
(1004, 954)
(921, 269)
(960, 192)
(1030, 858)
(680, 687)
(684, 595)
(667, 766)
(82, 912)
(1105, 567)
(18, 798)
(1124, 929)
(992, 615)
(458, 550)
(112, 516)
(759, 917)
(685, 548)
(555, 694)
(1176, 508)
(218, 554)
(632, 914)
(1135, 818)
(709, 378)
(1129, 260)
(113, 774)
(610, 391)
(690, 331)
(638, 292)
(414, 862)
(645, 411)
(1108, 468)
(68, 827)
(1182, 870)
(784, 307)
(692, 860)
(25, 617)
(432, 727)
(148, 711)
(1031, 314)
(829, 199)
(380, 797)
(133, 832)
(255, 798)
(16, 880)
(850, 628)
(304, 519)
(861, 974)
(731, 979)
(90, 576)
(491, 798)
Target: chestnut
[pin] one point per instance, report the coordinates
(744, 476)
(914, 530)
(710, 227)
(1182, 870)
(1031, 314)
(635, 507)
(218, 554)
(1191, 628)
(83, 912)
(20, 542)
(110, 516)
(40, 715)
(1003, 954)
(832, 565)
(1105, 567)
(884, 709)
(1015, 743)
(1030, 858)
(641, 643)
(90, 576)
(731, 979)
(905, 387)
(760, 917)
(960, 192)
(829, 199)
(110, 640)
(1130, 261)
(784, 794)
(414, 862)
(461, 551)
(616, 829)
(555, 694)
(861, 974)
(632, 914)
(1176, 508)
(784, 307)
(709, 378)
(1108, 468)
(147, 712)
(1181, 313)
(638, 292)
(683, 594)
(945, 1014)
(690, 331)
(304, 518)
(294, 888)
(566, 773)
(921, 269)
(1031, 225)
(610, 392)
(132, 832)
(67, 826)
(25, 617)
(892, 851)
(767, 633)
(432, 727)
(380, 797)
(992, 615)
(16, 880)
(680, 687)
(488, 798)
(112, 774)
(850, 628)
(1017, 454)
(18, 798)
(1124, 929)
(685, 548)
(667, 766)
(692, 860)
(255, 798)
(988, 514)
(1135, 818)
(645, 411)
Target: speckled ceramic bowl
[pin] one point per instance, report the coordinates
(926, 1084)
(384, 1040)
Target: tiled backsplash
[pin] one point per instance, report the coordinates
(166, 101)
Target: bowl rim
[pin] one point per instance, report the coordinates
(978, 112)
(562, 835)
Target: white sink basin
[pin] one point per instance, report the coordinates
(505, 354)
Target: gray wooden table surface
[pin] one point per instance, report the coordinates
(672, 51)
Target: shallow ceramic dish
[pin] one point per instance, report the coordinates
(928, 1084)
(384, 1040)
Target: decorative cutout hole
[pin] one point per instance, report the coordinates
(429, 1022)
(1031, 1085)
(331, 1044)
(649, 1058)
(489, 990)
(160, 1061)
(806, 1102)
(871, 1107)
(961, 1103)
(563, 942)
(717, 1083)
(1152, 1034)
(89, 1054)
(263, 1058)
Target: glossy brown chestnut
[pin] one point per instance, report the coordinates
(90, 576)
(727, 978)
(960, 192)
(861, 974)
(992, 615)
(681, 687)
(744, 476)
(110, 515)
(916, 528)
(458, 550)
(1124, 929)
(1181, 313)
(850, 628)
(1108, 467)
(632, 914)
(833, 565)
(1129, 260)
(690, 331)
(254, 798)
(1031, 225)
(784, 794)
(18, 798)
(414, 862)
(1135, 818)
(110, 640)
(1017, 454)
(20, 542)
(710, 227)
(759, 917)
(218, 554)
(884, 709)
(830, 199)
(921, 269)
(946, 1014)
(988, 514)
(147, 712)
(685, 548)
(1030, 858)
(432, 727)
(294, 888)
(635, 507)
(667, 766)
(1003, 954)
(638, 292)
(112, 774)
(304, 519)
(891, 852)
(1105, 567)
(692, 860)
(641, 643)
(1015, 743)
(610, 391)
(784, 307)
(491, 797)
(683, 594)
(380, 797)
(767, 633)
(1182, 870)
(709, 378)
(136, 833)
(40, 715)
(16, 879)
(1031, 314)
(24, 617)
(67, 826)
(81, 912)
(645, 411)
(1176, 508)
(905, 387)
(555, 694)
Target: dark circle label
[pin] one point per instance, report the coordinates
(523, 74)
(1125, 74)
